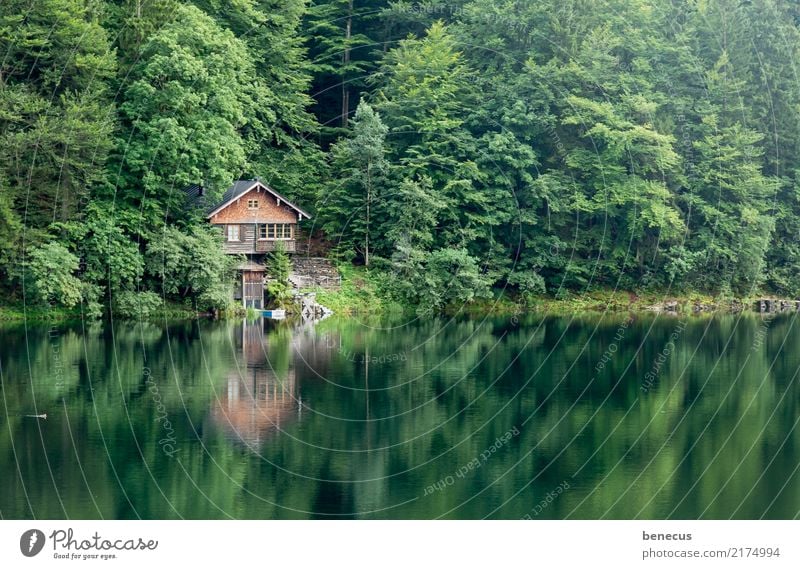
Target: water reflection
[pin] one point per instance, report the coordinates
(617, 417)
(256, 399)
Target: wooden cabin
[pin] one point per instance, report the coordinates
(253, 218)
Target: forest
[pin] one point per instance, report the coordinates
(452, 151)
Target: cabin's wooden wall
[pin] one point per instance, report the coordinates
(239, 246)
(249, 244)
(268, 212)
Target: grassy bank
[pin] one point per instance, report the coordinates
(17, 312)
(361, 293)
(611, 300)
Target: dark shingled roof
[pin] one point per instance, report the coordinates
(238, 188)
(195, 197)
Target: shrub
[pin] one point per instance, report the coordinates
(133, 304)
(52, 269)
(278, 267)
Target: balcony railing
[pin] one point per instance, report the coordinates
(265, 245)
(259, 246)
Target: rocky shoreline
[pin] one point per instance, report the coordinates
(764, 305)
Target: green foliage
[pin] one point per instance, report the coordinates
(52, 270)
(529, 284)
(136, 304)
(546, 146)
(10, 229)
(278, 267)
(347, 211)
(192, 109)
(436, 280)
(133, 22)
(56, 116)
(341, 36)
(733, 201)
(362, 291)
(450, 277)
(109, 256)
(192, 265)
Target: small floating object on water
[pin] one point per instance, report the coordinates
(42, 416)
(274, 314)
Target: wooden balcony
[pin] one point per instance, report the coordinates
(268, 245)
(251, 246)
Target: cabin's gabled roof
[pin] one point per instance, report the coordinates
(238, 189)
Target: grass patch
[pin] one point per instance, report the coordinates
(602, 300)
(361, 292)
(16, 312)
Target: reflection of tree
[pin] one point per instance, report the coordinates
(461, 384)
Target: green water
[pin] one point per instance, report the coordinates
(590, 417)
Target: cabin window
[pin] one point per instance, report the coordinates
(275, 231)
(252, 204)
(233, 233)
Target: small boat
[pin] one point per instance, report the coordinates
(274, 314)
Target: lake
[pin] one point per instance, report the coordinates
(589, 417)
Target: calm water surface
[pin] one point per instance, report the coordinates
(588, 417)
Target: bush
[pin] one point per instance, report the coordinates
(133, 304)
(450, 276)
(51, 269)
(278, 267)
(215, 296)
(92, 295)
(192, 265)
(529, 283)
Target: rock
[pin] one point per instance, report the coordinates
(314, 271)
(310, 309)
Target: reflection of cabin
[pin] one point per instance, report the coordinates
(254, 220)
(254, 401)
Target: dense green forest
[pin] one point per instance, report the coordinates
(454, 149)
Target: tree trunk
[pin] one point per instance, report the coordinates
(345, 61)
(369, 199)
